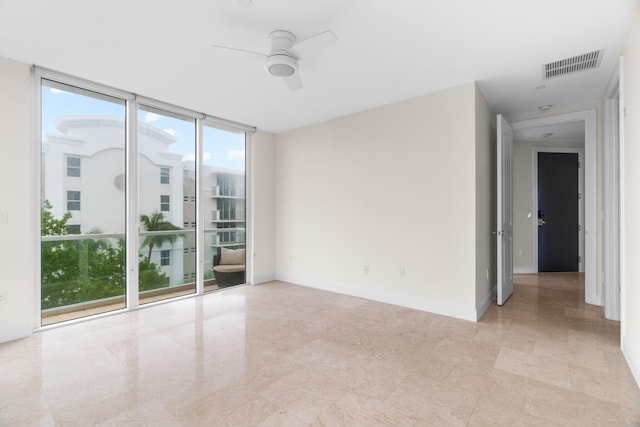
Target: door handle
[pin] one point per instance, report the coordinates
(541, 222)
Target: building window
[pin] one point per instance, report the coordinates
(193, 198)
(227, 208)
(165, 175)
(73, 200)
(73, 229)
(185, 250)
(73, 166)
(165, 202)
(165, 257)
(193, 250)
(193, 224)
(227, 184)
(186, 198)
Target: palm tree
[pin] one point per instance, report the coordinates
(156, 222)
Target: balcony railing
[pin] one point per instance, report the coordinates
(228, 237)
(217, 216)
(219, 192)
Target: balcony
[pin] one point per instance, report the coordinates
(105, 305)
(217, 216)
(218, 193)
(85, 274)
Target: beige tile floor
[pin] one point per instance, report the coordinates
(284, 355)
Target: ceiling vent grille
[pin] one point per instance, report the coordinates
(575, 64)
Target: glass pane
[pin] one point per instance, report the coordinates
(223, 175)
(82, 204)
(167, 203)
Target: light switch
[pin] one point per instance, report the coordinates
(4, 216)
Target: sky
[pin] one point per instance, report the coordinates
(221, 148)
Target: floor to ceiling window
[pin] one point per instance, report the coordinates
(140, 201)
(166, 204)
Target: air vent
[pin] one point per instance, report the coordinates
(575, 64)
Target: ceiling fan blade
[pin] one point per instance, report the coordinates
(245, 3)
(309, 46)
(248, 53)
(294, 82)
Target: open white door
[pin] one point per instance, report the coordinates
(505, 210)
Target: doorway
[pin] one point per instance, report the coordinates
(589, 119)
(558, 212)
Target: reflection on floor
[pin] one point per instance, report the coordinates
(278, 354)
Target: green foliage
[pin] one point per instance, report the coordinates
(50, 225)
(76, 271)
(156, 222)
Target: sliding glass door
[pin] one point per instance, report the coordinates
(167, 204)
(83, 246)
(223, 177)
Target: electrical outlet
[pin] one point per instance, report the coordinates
(366, 269)
(3, 296)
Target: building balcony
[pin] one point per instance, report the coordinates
(227, 237)
(218, 193)
(216, 216)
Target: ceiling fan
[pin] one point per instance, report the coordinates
(286, 51)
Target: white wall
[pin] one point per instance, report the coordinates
(263, 198)
(391, 188)
(486, 192)
(631, 199)
(523, 193)
(16, 193)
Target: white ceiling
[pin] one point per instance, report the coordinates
(563, 132)
(387, 51)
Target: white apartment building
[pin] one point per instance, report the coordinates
(84, 173)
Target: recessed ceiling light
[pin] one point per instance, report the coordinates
(541, 87)
(547, 135)
(545, 107)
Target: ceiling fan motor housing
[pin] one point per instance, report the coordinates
(281, 65)
(281, 62)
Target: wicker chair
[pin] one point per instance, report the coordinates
(229, 267)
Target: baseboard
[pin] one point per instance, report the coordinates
(386, 297)
(16, 331)
(524, 270)
(633, 360)
(486, 302)
(264, 278)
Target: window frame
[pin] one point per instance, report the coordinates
(133, 103)
(165, 204)
(73, 167)
(165, 257)
(73, 200)
(165, 172)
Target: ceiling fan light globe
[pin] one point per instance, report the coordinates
(281, 65)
